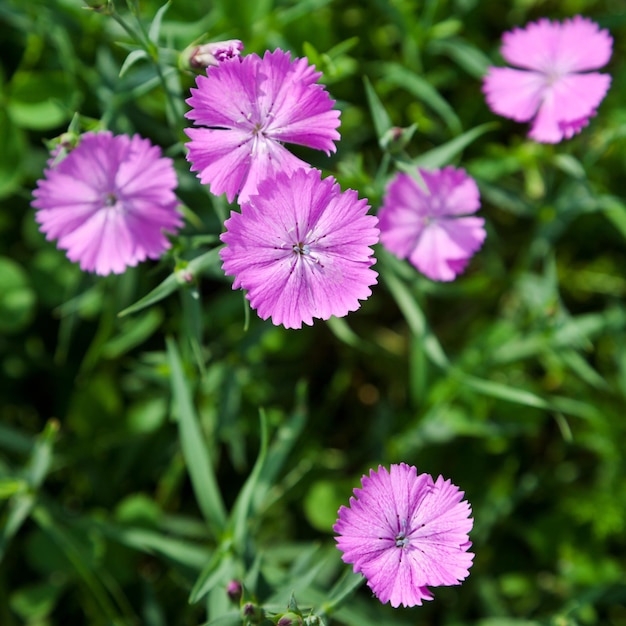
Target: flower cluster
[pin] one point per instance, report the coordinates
(111, 199)
(299, 246)
(302, 248)
(406, 532)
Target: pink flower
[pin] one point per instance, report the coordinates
(247, 110)
(432, 228)
(405, 532)
(550, 88)
(108, 202)
(301, 249)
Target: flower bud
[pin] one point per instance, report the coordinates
(251, 613)
(214, 53)
(234, 589)
(396, 139)
(290, 619)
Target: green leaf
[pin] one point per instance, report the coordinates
(528, 398)
(81, 562)
(422, 90)
(442, 155)
(471, 59)
(40, 100)
(342, 589)
(17, 304)
(13, 144)
(413, 314)
(196, 452)
(131, 59)
(36, 471)
(155, 27)
(153, 542)
(133, 334)
(41, 456)
(214, 572)
(205, 263)
(242, 508)
(382, 121)
(282, 444)
(35, 602)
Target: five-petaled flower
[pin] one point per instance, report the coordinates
(301, 249)
(108, 202)
(246, 111)
(406, 532)
(432, 227)
(554, 87)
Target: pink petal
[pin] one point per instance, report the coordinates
(576, 45)
(534, 47)
(227, 96)
(570, 101)
(582, 46)
(444, 241)
(222, 159)
(515, 94)
(269, 158)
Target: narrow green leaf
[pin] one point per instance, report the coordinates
(528, 398)
(133, 334)
(242, 507)
(282, 444)
(205, 263)
(184, 552)
(382, 121)
(155, 27)
(442, 155)
(21, 507)
(196, 452)
(80, 561)
(414, 315)
(342, 589)
(131, 59)
(213, 573)
(471, 59)
(422, 90)
(21, 504)
(615, 212)
(41, 456)
(232, 618)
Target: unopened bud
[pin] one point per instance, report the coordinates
(252, 613)
(396, 138)
(215, 53)
(234, 590)
(290, 619)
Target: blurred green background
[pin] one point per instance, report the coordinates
(510, 381)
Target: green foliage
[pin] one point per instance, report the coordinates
(158, 441)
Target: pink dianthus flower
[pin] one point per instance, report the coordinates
(433, 228)
(246, 111)
(554, 87)
(301, 249)
(405, 532)
(108, 202)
